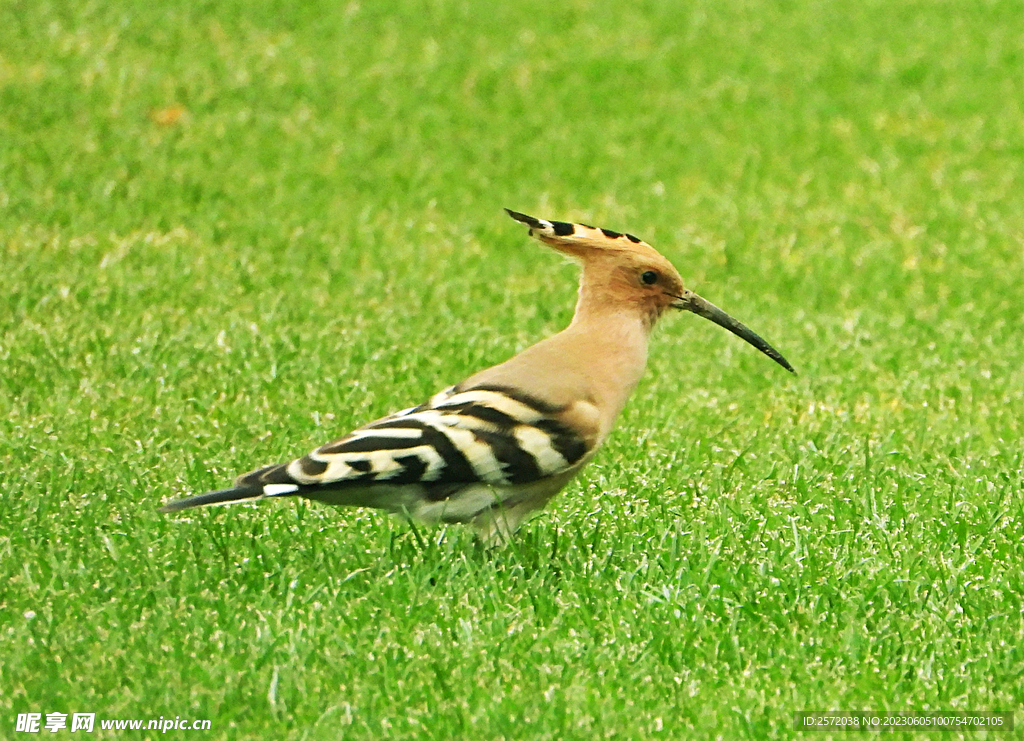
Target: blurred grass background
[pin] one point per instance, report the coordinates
(231, 231)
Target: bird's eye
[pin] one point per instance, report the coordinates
(649, 277)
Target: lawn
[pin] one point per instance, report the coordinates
(232, 231)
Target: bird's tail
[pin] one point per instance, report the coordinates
(224, 496)
(272, 481)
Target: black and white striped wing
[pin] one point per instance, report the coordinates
(483, 435)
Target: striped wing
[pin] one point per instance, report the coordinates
(486, 434)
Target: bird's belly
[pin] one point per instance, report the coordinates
(458, 503)
(429, 504)
(462, 505)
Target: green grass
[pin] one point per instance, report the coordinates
(318, 240)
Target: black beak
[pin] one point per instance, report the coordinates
(690, 301)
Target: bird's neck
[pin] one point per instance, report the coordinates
(613, 339)
(600, 305)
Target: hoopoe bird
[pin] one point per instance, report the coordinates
(499, 445)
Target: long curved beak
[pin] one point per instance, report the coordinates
(690, 301)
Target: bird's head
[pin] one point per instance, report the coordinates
(620, 270)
